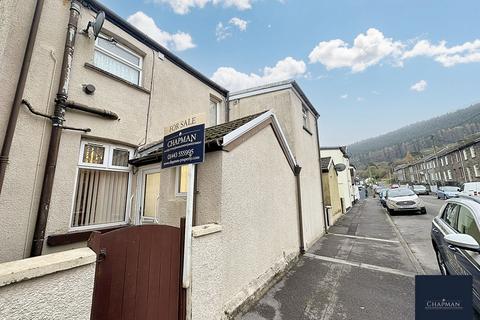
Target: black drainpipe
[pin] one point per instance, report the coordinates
(17, 101)
(296, 172)
(56, 133)
(325, 217)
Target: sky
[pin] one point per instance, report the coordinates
(368, 66)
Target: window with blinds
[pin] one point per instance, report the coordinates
(118, 60)
(103, 185)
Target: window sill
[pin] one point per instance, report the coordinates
(117, 78)
(308, 130)
(76, 236)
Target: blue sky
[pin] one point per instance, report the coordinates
(369, 67)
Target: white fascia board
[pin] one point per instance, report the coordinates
(235, 134)
(252, 93)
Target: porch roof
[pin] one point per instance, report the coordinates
(213, 141)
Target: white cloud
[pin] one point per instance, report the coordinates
(360, 99)
(448, 56)
(284, 69)
(372, 48)
(177, 41)
(239, 23)
(222, 32)
(419, 86)
(368, 49)
(344, 96)
(184, 6)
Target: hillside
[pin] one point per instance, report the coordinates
(417, 137)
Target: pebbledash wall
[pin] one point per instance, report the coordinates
(254, 237)
(55, 286)
(288, 103)
(167, 92)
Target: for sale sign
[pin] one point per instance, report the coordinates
(184, 142)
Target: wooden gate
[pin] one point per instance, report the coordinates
(138, 273)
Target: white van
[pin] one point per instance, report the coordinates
(471, 189)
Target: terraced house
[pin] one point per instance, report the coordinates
(82, 142)
(452, 165)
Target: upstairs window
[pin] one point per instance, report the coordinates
(472, 152)
(306, 118)
(476, 170)
(103, 185)
(118, 60)
(465, 154)
(214, 112)
(446, 160)
(441, 161)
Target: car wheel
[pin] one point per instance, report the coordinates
(441, 263)
(445, 197)
(391, 212)
(423, 211)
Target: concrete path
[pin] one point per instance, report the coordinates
(362, 269)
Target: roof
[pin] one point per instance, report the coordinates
(114, 18)
(325, 162)
(272, 87)
(225, 137)
(469, 141)
(343, 149)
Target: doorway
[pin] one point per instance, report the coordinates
(149, 195)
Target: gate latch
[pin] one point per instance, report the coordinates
(101, 255)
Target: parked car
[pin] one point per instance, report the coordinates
(395, 186)
(404, 200)
(470, 189)
(420, 189)
(456, 237)
(447, 192)
(382, 197)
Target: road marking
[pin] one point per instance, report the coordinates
(364, 238)
(362, 265)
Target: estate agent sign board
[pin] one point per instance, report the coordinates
(184, 142)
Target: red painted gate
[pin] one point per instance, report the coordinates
(138, 273)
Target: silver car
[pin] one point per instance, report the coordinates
(404, 200)
(456, 237)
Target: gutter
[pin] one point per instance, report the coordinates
(15, 108)
(143, 38)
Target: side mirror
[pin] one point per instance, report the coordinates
(462, 241)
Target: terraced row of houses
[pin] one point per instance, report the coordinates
(452, 165)
(82, 121)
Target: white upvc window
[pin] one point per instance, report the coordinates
(465, 154)
(456, 157)
(446, 160)
(441, 161)
(469, 175)
(445, 175)
(472, 151)
(214, 112)
(119, 60)
(181, 181)
(449, 172)
(103, 185)
(476, 170)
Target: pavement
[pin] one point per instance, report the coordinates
(362, 269)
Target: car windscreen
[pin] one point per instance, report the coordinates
(450, 189)
(418, 187)
(393, 193)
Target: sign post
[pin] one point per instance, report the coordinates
(184, 144)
